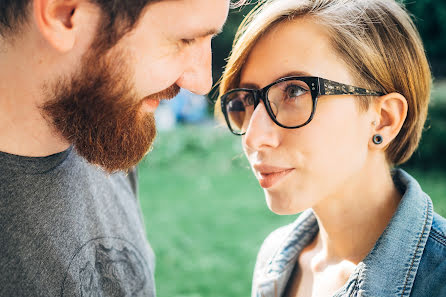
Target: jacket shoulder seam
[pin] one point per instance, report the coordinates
(438, 236)
(406, 282)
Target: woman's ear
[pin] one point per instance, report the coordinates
(59, 21)
(390, 112)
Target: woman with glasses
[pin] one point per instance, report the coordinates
(328, 97)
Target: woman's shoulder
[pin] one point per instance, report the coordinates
(287, 240)
(438, 232)
(272, 243)
(431, 274)
(435, 250)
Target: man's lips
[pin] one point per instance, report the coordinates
(269, 175)
(151, 102)
(150, 105)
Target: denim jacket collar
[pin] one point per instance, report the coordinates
(390, 267)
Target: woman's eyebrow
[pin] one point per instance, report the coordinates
(292, 73)
(249, 86)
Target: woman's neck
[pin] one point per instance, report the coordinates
(352, 221)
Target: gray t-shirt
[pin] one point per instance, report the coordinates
(69, 229)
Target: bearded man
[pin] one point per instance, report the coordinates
(79, 83)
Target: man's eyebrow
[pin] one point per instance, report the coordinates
(211, 32)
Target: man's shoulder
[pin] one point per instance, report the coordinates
(133, 179)
(56, 224)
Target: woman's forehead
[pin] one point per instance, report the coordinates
(297, 46)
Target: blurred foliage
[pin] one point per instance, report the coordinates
(222, 44)
(206, 214)
(429, 17)
(431, 153)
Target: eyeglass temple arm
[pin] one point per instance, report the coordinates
(329, 87)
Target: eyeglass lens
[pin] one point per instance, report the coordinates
(290, 101)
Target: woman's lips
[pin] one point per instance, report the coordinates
(268, 176)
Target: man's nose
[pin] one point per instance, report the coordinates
(197, 76)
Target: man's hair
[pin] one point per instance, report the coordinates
(12, 14)
(119, 17)
(376, 39)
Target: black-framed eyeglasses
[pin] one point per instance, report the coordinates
(290, 101)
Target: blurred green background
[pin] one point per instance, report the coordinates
(204, 211)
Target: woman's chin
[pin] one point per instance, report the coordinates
(284, 207)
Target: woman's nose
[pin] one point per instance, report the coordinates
(262, 132)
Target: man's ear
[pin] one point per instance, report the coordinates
(389, 116)
(59, 21)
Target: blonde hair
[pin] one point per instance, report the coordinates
(376, 39)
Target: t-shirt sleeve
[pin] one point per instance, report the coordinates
(133, 179)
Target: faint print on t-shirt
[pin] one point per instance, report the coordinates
(106, 267)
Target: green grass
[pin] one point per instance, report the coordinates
(206, 215)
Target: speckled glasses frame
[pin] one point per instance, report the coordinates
(318, 86)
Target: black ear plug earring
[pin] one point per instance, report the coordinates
(377, 139)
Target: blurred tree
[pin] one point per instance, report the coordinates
(430, 19)
(222, 44)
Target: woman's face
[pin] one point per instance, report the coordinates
(300, 168)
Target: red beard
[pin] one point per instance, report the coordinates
(98, 112)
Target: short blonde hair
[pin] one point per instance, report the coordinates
(376, 39)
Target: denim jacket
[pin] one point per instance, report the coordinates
(409, 258)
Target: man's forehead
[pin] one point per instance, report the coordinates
(199, 10)
(200, 18)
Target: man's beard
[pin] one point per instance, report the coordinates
(99, 113)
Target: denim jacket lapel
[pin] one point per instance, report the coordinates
(387, 271)
(390, 268)
(276, 273)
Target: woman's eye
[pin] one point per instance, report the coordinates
(294, 91)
